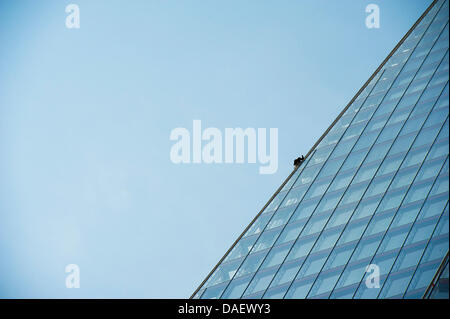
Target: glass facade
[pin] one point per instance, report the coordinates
(438, 288)
(374, 191)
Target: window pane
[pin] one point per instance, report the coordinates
(276, 256)
(236, 288)
(251, 264)
(260, 282)
(301, 248)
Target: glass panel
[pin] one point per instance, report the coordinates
(343, 147)
(258, 225)
(286, 274)
(315, 224)
(294, 196)
(341, 181)
(281, 217)
(324, 284)
(236, 288)
(266, 239)
(340, 217)
(404, 177)
(327, 239)
(366, 140)
(291, 232)
(251, 264)
(425, 136)
(353, 193)
(438, 150)
(242, 248)
(223, 273)
(394, 239)
(214, 292)
(352, 275)
(396, 285)
(312, 265)
(329, 201)
(406, 215)
(378, 152)
(299, 289)
(275, 202)
(390, 164)
(423, 277)
(413, 124)
(421, 232)
(385, 262)
(366, 173)
(339, 256)
(276, 256)
(304, 210)
(417, 192)
(436, 249)
(379, 185)
(415, 157)
(353, 232)
(429, 169)
(389, 132)
(366, 248)
(366, 208)
(433, 207)
(276, 293)
(402, 144)
(408, 257)
(307, 175)
(301, 248)
(440, 187)
(260, 282)
(379, 223)
(317, 189)
(331, 167)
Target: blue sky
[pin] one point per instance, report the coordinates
(86, 114)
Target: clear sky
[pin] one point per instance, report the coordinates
(86, 114)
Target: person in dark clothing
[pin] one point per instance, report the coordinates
(299, 160)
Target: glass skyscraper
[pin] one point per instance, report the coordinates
(370, 198)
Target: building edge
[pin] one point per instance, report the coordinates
(317, 142)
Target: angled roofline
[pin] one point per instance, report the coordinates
(318, 141)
